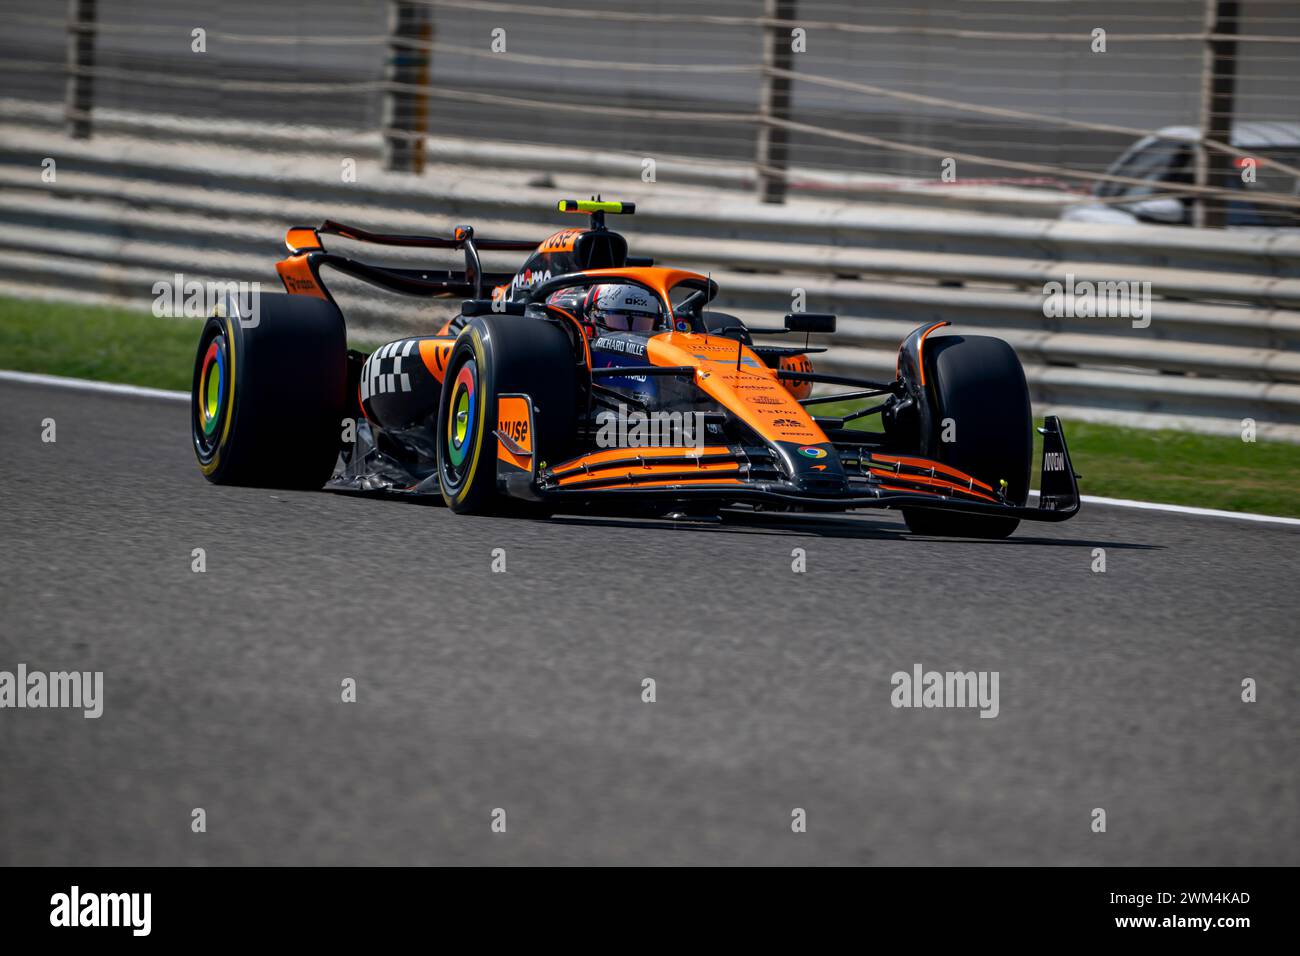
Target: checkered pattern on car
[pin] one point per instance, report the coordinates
(383, 370)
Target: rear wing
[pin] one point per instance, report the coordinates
(300, 272)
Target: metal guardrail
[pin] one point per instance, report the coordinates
(1221, 346)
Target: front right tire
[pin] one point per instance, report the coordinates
(269, 391)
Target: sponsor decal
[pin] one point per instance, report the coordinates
(529, 278)
(516, 431)
(683, 325)
(299, 286)
(1053, 461)
(621, 380)
(811, 451)
(561, 241)
(610, 344)
(746, 361)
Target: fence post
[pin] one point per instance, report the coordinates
(773, 155)
(79, 96)
(1218, 89)
(406, 110)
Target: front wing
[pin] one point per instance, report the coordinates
(735, 474)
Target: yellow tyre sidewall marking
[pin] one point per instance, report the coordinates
(479, 357)
(211, 466)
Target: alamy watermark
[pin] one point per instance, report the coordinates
(637, 429)
(83, 690)
(1107, 299)
(75, 908)
(177, 298)
(922, 688)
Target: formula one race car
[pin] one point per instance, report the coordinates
(591, 380)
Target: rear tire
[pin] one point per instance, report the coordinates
(978, 383)
(268, 395)
(500, 355)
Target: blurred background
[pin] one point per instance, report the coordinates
(899, 163)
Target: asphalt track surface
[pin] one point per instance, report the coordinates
(522, 690)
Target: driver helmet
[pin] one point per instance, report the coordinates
(623, 308)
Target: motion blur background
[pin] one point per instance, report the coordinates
(781, 144)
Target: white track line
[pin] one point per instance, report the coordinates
(1182, 509)
(112, 388)
(86, 385)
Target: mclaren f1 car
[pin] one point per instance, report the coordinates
(505, 407)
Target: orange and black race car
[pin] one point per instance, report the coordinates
(591, 380)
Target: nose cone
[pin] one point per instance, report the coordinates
(814, 468)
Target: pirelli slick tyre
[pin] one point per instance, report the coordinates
(269, 392)
(976, 383)
(493, 356)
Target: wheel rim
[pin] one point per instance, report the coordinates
(211, 394)
(462, 423)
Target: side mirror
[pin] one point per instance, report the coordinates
(820, 322)
(1159, 209)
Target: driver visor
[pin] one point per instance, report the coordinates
(630, 321)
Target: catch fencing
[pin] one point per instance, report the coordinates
(795, 166)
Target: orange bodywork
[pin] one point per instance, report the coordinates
(938, 483)
(920, 349)
(751, 391)
(681, 455)
(926, 463)
(297, 276)
(641, 473)
(514, 420)
(562, 241)
(796, 363)
(434, 353)
(683, 481)
(662, 281)
(299, 240)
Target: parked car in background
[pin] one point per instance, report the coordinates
(1166, 160)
